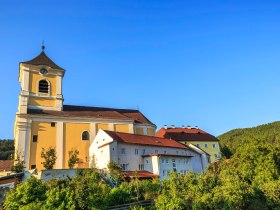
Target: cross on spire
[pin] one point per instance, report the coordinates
(43, 46)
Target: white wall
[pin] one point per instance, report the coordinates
(112, 151)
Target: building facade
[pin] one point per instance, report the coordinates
(195, 136)
(144, 153)
(43, 121)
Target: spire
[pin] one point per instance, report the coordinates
(43, 46)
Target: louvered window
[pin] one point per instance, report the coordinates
(43, 86)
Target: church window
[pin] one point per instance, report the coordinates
(52, 124)
(35, 138)
(43, 86)
(85, 135)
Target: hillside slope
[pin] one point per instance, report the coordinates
(6, 149)
(263, 134)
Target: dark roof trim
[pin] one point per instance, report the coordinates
(43, 59)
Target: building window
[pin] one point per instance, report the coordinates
(141, 167)
(143, 151)
(163, 173)
(198, 145)
(124, 166)
(166, 161)
(174, 164)
(214, 145)
(164, 152)
(208, 158)
(136, 151)
(206, 145)
(177, 152)
(215, 155)
(52, 124)
(162, 161)
(147, 161)
(123, 151)
(35, 138)
(85, 135)
(33, 166)
(43, 86)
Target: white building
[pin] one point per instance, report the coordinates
(143, 153)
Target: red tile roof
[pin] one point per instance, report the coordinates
(43, 59)
(139, 174)
(186, 134)
(5, 165)
(167, 155)
(97, 112)
(145, 140)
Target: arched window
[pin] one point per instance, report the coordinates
(85, 135)
(43, 86)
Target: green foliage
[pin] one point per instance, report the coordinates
(73, 158)
(249, 180)
(6, 149)
(267, 134)
(31, 191)
(115, 171)
(49, 155)
(91, 192)
(87, 190)
(18, 165)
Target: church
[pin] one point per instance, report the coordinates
(44, 121)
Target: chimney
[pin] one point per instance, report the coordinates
(189, 127)
(183, 126)
(165, 127)
(173, 126)
(196, 127)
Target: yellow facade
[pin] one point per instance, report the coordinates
(34, 79)
(121, 128)
(35, 101)
(73, 140)
(151, 132)
(211, 147)
(139, 131)
(46, 100)
(46, 137)
(61, 130)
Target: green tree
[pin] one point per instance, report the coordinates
(115, 171)
(49, 156)
(73, 158)
(91, 192)
(18, 165)
(31, 192)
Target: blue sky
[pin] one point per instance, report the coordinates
(214, 64)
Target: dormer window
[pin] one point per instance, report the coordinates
(44, 86)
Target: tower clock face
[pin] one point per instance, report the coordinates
(43, 71)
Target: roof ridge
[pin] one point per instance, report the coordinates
(97, 107)
(43, 59)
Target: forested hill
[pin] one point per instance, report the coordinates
(6, 149)
(267, 134)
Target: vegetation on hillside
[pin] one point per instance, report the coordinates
(6, 149)
(250, 179)
(267, 134)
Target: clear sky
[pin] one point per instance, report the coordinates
(214, 64)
